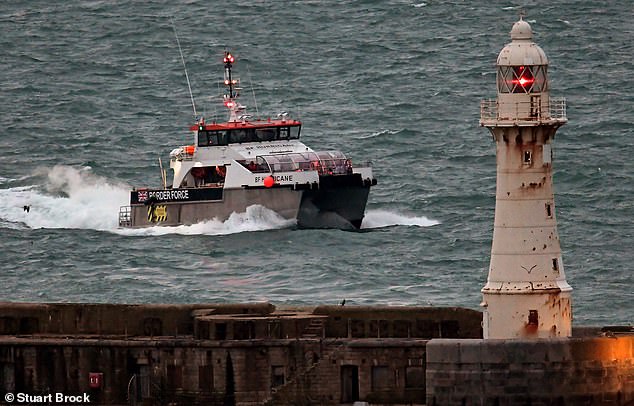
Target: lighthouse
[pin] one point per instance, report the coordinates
(526, 294)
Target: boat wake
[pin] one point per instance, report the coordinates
(67, 197)
(384, 218)
(75, 198)
(256, 218)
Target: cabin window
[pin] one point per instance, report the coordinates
(212, 138)
(295, 132)
(266, 134)
(241, 135)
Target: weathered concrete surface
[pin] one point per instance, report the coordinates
(224, 354)
(566, 371)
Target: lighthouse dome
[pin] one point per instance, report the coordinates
(522, 50)
(521, 30)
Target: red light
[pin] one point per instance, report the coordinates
(524, 81)
(226, 81)
(229, 57)
(524, 77)
(229, 104)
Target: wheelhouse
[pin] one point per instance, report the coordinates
(217, 135)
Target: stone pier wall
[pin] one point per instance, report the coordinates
(223, 354)
(562, 372)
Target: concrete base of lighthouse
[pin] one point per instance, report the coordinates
(544, 314)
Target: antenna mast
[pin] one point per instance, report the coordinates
(255, 102)
(191, 96)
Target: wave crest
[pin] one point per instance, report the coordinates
(385, 218)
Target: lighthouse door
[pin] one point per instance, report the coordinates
(536, 106)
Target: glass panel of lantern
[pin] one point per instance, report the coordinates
(523, 79)
(541, 83)
(505, 79)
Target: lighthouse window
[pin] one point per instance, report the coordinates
(555, 264)
(527, 157)
(533, 317)
(549, 211)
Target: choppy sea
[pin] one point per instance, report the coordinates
(94, 92)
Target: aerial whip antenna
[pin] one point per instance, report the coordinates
(189, 86)
(253, 90)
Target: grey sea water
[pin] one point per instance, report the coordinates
(93, 92)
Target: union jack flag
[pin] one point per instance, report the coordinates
(142, 195)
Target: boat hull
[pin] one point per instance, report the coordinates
(337, 202)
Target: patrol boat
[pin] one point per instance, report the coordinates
(244, 162)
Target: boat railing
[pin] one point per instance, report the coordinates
(324, 162)
(125, 216)
(536, 110)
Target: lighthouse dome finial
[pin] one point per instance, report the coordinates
(521, 30)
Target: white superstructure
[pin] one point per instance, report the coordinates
(526, 294)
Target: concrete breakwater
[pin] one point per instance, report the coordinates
(220, 354)
(260, 354)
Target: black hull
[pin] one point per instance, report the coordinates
(338, 203)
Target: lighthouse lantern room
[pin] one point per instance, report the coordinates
(526, 294)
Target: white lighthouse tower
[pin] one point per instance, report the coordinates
(526, 294)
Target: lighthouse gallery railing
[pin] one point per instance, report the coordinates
(524, 111)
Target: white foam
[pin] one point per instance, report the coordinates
(76, 198)
(256, 218)
(384, 218)
(378, 134)
(69, 198)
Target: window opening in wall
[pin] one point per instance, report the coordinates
(533, 317)
(527, 157)
(382, 379)
(555, 264)
(221, 331)
(415, 377)
(349, 383)
(549, 210)
(174, 376)
(206, 378)
(277, 376)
